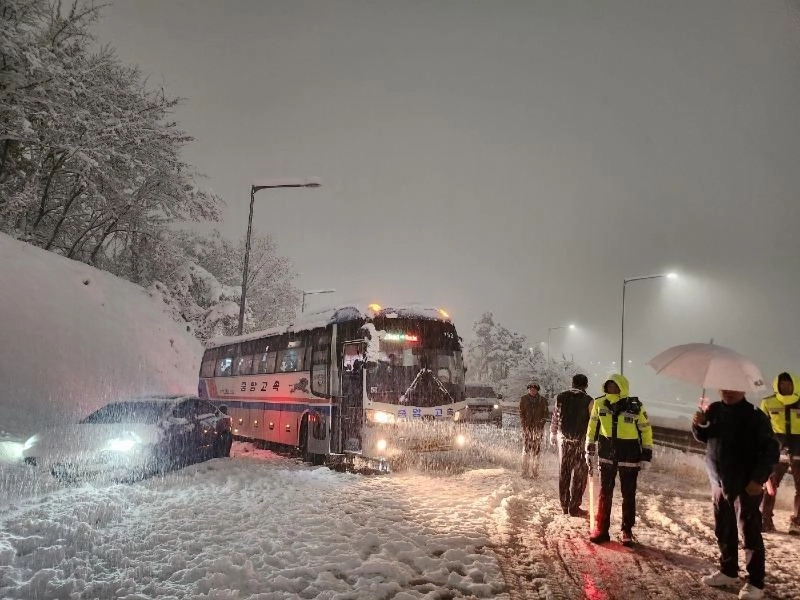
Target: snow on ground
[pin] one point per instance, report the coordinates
(262, 526)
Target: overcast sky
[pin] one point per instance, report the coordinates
(521, 157)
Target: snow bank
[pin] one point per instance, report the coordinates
(74, 337)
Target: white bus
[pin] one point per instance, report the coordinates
(344, 383)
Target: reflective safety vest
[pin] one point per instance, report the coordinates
(621, 431)
(785, 421)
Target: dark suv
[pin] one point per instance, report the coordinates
(483, 405)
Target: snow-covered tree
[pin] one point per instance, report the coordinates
(502, 357)
(90, 161)
(493, 351)
(554, 376)
(202, 284)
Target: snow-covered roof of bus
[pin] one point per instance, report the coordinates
(337, 314)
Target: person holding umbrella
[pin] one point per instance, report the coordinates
(741, 451)
(783, 410)
(620, 437)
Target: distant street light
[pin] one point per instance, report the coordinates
(550, 330)
(309, 293)
(281, 183)
(625, 283)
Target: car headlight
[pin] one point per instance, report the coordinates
(461, 440)
(124, 444)
(496, 406)
(380, 445)
(30, 442)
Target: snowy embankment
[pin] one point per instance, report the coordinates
(74, 337)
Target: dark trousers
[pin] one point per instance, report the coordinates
(573, 473)
(734, 514)
(627, 484)
(768, 504)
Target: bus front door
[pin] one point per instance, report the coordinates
(352, 406)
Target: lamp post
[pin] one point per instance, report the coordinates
(255, 187)
(550, 330)
(309, 293)
(625, 283)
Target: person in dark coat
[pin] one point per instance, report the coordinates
(533, 414)
(568, 433)
(741, 451)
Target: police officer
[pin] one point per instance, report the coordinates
(621, 438)
(783, 410)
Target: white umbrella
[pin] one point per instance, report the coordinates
(709, 366)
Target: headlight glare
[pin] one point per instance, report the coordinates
(124, 444)
(380, 416)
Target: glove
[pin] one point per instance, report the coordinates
(644, 466)
(591, 453)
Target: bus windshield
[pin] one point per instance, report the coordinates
(418, 362)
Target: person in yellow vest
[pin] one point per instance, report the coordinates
(783, 410)
(620, 439)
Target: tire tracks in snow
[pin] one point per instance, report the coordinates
(545, 554)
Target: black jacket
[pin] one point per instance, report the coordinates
(740, 446)
(571, 414)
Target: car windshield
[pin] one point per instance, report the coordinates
(480, 391)
(129, 412)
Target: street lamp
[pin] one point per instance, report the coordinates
(283, 183)
(550, 330)
(309, 293)
(625, 283)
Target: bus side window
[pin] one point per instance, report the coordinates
(290, 360)
(244, 365)
(266, 362)
(319, 363)
(224, 367)
(207, 368)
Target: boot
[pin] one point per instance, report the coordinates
(535, 467)
(600, 537)
(794, 526)
(526, 460)
(626, 537)
(767, 526)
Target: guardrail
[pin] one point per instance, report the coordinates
(679, 439)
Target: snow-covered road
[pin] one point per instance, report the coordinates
(262, 526)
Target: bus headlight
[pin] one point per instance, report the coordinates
(380, 416)
(380, 445)
(496, 406)
(461, 440)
